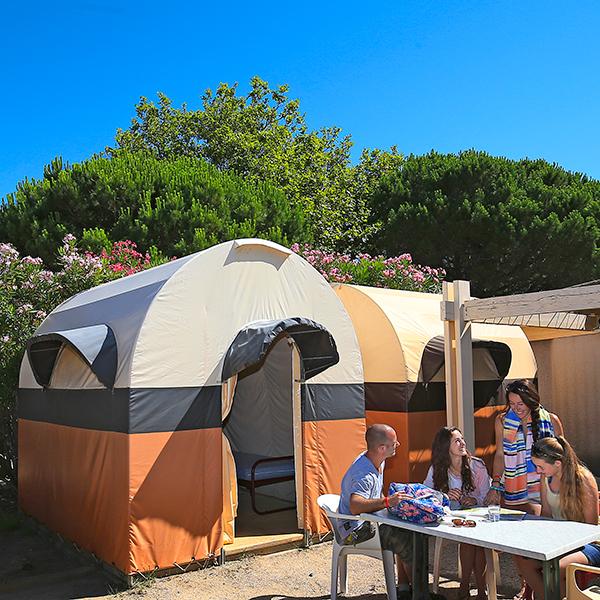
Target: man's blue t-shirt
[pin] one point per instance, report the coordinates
(363, 479)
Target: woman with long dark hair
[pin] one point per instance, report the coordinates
(568, 491)
(466, 481)
(523, 422)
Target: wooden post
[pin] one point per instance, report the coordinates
(458, 357)
(464, 364)
(449, 353)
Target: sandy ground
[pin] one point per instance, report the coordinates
(302, 574)
(31, 568)
(37, 566)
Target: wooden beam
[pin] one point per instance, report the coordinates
(557, 320)
(584, 298)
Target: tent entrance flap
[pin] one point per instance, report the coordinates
(317, 347)
(96, 345)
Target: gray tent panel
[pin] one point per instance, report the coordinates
(317, 347)
(96, 345)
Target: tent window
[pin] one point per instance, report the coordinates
(491, 363)
(43, 355)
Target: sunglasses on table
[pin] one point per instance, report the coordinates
(463, 523)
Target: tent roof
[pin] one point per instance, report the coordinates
(174, 323)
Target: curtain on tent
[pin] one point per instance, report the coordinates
(230, 491)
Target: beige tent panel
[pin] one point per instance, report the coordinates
(71, 372)
(26, 377)
(394, 326)
(568, 382)
(201, 308)
(382, 353)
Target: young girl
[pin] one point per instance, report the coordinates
(465, 480)
(568, 491)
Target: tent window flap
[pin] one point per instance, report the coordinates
(96, 345)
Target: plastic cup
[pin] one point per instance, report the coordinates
(493, 513)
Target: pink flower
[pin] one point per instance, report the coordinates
(28, 260)
(21, 310)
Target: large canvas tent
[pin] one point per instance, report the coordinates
(402, 346)
(133, 394)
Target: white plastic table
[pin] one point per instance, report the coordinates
(540, 538)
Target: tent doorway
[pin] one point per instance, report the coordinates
(263, 429)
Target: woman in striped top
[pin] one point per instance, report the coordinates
(515, 480)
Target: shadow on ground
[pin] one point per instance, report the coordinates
(34, 566)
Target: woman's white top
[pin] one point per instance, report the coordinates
(553, 499)
(481, 481)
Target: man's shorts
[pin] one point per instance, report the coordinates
(399, 541)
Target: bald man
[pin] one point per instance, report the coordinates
(362, 492)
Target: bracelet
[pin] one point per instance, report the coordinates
(386, 501)
(496, 488)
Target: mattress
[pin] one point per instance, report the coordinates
(270, 470)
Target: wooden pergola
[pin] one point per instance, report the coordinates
(576, 308)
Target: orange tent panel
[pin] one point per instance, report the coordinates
(329, 449)
(75, 481)
(176, 497)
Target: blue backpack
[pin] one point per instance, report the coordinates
(425, 506)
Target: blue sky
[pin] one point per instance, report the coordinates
(512, 78)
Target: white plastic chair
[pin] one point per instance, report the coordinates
(437, 559)
(329, 503)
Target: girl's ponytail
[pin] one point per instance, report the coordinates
(572, 479)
